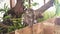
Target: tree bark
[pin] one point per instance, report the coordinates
(19, 8)
(46, 6)
(12, 3)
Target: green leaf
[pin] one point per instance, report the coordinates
(2, 10)
(7, 17)
(26, 0)
(34, 4)
(57, 5)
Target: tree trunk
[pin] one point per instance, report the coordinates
(18, 8)
(12, 3)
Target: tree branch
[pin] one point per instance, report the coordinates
(12, 3)
(45, 6)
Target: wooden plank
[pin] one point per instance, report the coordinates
(49, 28)
(37, 29)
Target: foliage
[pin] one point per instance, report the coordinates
(16, 21)
(47, 15)
(17, 24)
(57, 5)
(5, 9)
(26, 3)
(51, 14)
